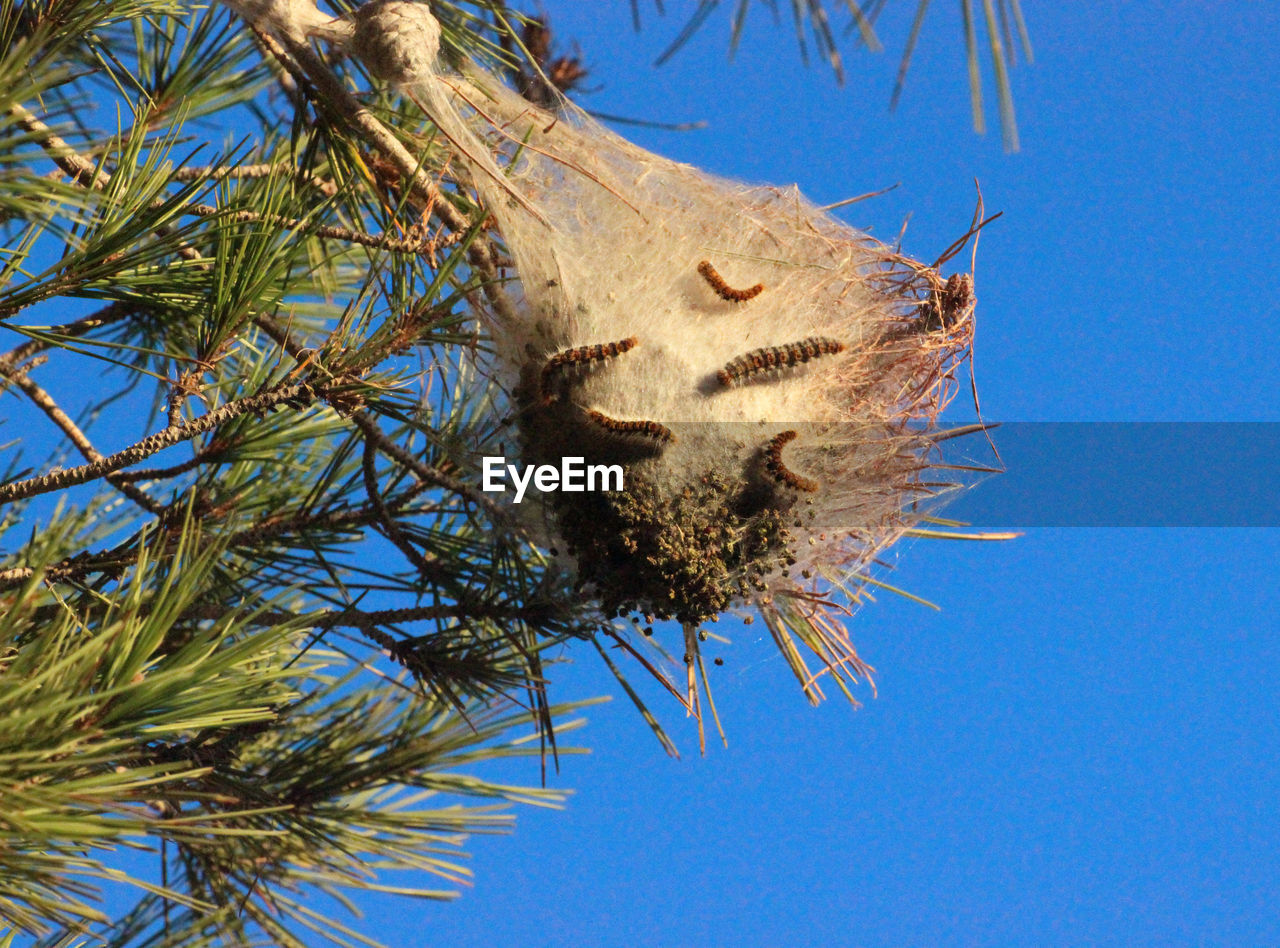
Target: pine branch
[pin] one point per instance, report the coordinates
(293, 393)
(111, 313)
(306, 67)
(44, 401)
(165, 670)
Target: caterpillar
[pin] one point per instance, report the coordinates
(645, 429)
(723, 289)
(774, 465)
(949, 305)
(777, 357)
(582, 355)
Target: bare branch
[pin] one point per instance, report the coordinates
(379, 241)
(426, 565)
(44, 401)
(173, 434)
(109, 314)
(82, 171)
(222, 172)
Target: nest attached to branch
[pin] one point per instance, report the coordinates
(768, 377)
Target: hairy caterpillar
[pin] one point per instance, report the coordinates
(645, 429)
(774, 465)
(777, 357)
(723, 289)
(949, 305)
(582, 355)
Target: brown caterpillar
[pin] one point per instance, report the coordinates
(645, 429)
(777, 357)
(723, 289)
(949, 305)
(774, 465)
(582, 355)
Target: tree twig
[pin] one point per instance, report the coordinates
(378, 241)
(222, 172)
(44, 401)
(111, 313)
(305, 65)
(333, 519)
(366, 423)
(426, 565)
(167, 437)
(423, 470)
(82, 171)
(112, 561)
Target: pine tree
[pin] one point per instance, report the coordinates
(264, 376)
(252, 616)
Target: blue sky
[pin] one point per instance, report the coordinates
(1081, 747)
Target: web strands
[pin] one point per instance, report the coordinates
(606, 240)
(629, 229)
(626, 222)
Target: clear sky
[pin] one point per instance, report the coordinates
(1082, 746)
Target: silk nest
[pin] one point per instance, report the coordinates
(768, 377)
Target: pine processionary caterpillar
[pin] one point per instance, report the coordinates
(644, 429)
(723, 289)
(949, 305)
(777, 357)
(582, 355)
(774, 465)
